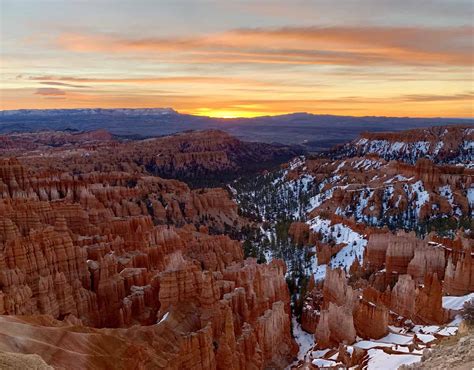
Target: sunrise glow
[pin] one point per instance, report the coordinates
(404, 60)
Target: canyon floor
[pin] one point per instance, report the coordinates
(201, 251)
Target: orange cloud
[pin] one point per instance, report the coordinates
(296, 45)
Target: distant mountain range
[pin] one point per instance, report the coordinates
(313, 132)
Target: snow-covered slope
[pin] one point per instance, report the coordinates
(440, 144)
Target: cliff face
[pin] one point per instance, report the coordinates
(104, 251)
(345, 313)
(378, 192)
(441, 144)
(421, 304)
(459, 277)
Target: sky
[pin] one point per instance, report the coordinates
(240, 58)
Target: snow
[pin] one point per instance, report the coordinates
(305, 340)
(324, 363)
(446, 192)
(317, 200)
(320, 272)
(426, 329)
(363, 202)
(426, 338)
(426, 332)
(397, 178)
(366, 164)
(468, 145)
(438, 147)
(422, 196)
(378, 359)
(355, 244)
(297, 162)
(368, 344)
(340, 166)
(386, 148)
(396, 339)
(456, 303)
(470, 196)
(165, 316)
(448, 331)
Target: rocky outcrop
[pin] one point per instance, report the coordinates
(459, 277)
(335, 326)
(387, 191)
(301, 234)
(336, 289)
(442, 144)
(427, 259)
(420, 304)
(371, 320)
(376, 251)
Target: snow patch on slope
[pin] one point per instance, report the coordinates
(456, 303)
(339, 233)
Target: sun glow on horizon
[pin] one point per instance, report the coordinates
(227, 113)
(267, 59)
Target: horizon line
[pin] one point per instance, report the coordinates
(236, 117)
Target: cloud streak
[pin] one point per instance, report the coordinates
(345, 46)
(56, 83)
(50, 91)
(67, 80)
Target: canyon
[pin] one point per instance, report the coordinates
(201, 251)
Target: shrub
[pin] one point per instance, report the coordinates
(467, 311)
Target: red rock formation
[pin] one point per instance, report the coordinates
(441, 143)
(371, 320)
(400, 251)
(427, 259)
(376, 251)
(335, 326)
(459, 278)
(300, 233)
(114, 249)
(309, 319)
(336, 290)
(420, 304)
(428, 302)
(187, 155)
